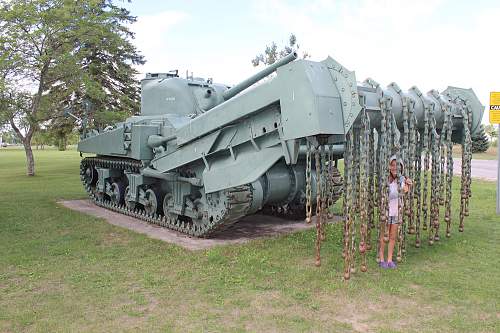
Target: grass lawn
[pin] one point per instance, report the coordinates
(65, 271)
(490, 154)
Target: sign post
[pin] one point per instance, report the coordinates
(495, 119)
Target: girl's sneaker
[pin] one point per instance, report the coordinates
(391, 265)
(382, 264)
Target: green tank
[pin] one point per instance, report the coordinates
(201, 155)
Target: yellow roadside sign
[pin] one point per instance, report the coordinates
(495, 107)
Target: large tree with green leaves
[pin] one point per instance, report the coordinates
(58, 54)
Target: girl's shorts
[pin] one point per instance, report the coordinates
(393, 220)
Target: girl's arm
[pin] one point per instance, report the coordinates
(407, 183)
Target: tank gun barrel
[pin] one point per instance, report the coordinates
(231, 92)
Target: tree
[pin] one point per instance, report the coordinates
(491, 131)
(480, 142)
(60, 130)
(41, 138)
(271, 53)
(56, 54)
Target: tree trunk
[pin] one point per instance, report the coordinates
(26, 140)
(30, 161)
(61, 144)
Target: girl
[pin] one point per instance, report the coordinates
(393, 221)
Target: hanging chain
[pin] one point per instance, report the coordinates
(407, 226)
(330, 187)
(356, 191)
(418, 185)
(434, 204)
(466, 172)
(324, 191)
(449, 172)
(469, 160)
(406, 158)
(411, 171)
(318, 205)
(308, 185)
(383, 175)
(442, 156)
(356, 166)
(425, 211)
(348, 204)
(439, 179)
(401, 220)
(372, 193)
(363, 180)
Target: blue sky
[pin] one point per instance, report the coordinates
(428, 43)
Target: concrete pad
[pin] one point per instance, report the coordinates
(250, 227)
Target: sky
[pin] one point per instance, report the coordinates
(427, 43)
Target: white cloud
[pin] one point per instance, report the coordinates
(396, 41)
(152, 38)
(408, 42)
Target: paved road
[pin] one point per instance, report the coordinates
(484, 169)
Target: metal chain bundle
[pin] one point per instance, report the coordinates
(469, 154)
(425, 212)
(323, 192)
(449, 171)
(401, 219)
(356, 181)
(329, 184)
(319, 209)
(308, 185)
(348, 205)
(364, 176)
(406, 162)
(442, 144)
(372, 193)
(367, 153)
(417, 188)
(434, 204)
(383, 174)
(385, 165)
(466, 168)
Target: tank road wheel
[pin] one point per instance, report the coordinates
(129, 203)
(100, 196)
(152, 202)
(168, 205)
(91, 175)
(90, 178)
(117, 193)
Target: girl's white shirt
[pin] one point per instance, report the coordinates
(394, 195)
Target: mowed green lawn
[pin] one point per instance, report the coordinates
(64, 271)
(490, 154)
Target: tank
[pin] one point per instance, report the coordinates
(201, 155)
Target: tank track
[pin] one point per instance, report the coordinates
(239, 200)
(298, 211)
